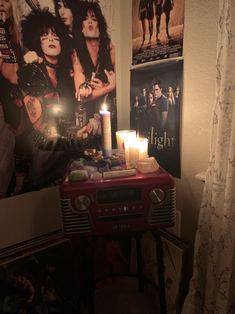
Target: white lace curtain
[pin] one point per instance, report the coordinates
(212, 287)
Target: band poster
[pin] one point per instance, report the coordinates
(57, 69)
(157, 30)
(156, 98)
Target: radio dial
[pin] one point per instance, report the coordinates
(82, 202)
(157, 195)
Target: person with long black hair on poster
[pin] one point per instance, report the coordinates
(48, 98)
(64, 9)
(171, 123)
(93, 63)
(150, 103)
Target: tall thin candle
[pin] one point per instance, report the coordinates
(106, 131)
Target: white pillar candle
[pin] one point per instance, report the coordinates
(133, 152)
(135, 149)
(106, 131)
(126, 152)
(143, 147)
(124, 135)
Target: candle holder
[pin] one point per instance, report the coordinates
(143, 147)
(133, 152)
(135, 149)
(121, 136)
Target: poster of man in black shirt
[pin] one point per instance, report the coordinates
(157, 30)
(159, 118)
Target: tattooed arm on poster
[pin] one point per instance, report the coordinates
(34, 109)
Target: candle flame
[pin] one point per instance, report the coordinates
(104, 107)
(56, 109)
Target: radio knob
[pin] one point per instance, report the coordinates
(157, 195)
(82, 202)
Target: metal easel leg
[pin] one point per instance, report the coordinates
(160, 270)
(139, 263)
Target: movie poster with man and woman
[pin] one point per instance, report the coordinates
(57, 69)
(156, 99)
(157, 30)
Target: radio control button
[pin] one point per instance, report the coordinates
(156, 195)
(82, 202)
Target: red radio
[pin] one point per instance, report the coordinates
(108, 206)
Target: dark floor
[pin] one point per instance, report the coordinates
(121, 296)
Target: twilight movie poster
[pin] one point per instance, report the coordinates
(57, 69)
(157, 30)
(156, 99)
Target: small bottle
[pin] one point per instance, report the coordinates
(80, 114)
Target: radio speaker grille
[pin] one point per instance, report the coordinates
(74, 222)
(165, 212)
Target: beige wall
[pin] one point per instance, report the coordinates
(41, 209)
(200, 35)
